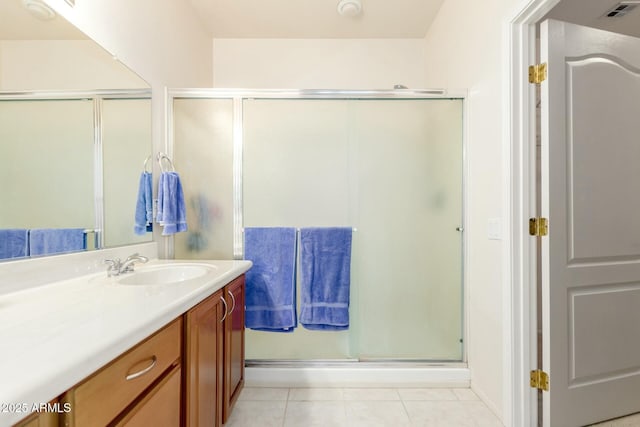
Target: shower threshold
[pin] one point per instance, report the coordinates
(355, 373)
(354, 363)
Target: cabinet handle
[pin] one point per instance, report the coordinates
(135, 375)
(225, 309)
(233, 299)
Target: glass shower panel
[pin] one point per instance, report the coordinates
(203, 156)
(296, 174)
(409, 204)
(46, 164)
(393, 170)
(126, 133)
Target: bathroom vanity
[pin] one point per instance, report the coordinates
(162, 346)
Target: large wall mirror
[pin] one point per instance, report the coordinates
(75, 138)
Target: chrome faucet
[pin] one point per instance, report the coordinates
(117, 267)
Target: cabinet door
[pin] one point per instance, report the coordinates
(160, 407)
(234, 344)
(44, 419)
(203, 362)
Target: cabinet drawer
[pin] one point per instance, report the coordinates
(160, 407)
(98, 400)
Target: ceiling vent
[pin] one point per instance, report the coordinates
(622, 8)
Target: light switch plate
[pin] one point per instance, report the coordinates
(494, 229)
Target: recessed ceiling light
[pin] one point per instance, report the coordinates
(39, 9)
(349, 8)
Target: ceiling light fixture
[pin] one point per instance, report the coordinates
(39, 9)
(350, 8)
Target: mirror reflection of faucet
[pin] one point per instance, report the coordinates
(116, 267)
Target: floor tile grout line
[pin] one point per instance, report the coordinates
(286, 405)
(406, 411)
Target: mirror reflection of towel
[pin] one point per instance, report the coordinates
(144, 205)
(14, 243)
(47, 241)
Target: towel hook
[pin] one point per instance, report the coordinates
(145, 167)
(162, 156)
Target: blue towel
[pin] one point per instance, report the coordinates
(144, 205)
(47, 241)
(14, 243)
(271, 296)
(172, 213)
(325, 276)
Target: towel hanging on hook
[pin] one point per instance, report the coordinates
(171, 213)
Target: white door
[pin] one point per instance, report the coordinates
(591, 195)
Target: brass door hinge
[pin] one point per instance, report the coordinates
(537, 73)
(538, 227)
(539, 380)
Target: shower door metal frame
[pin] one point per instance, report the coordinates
(239, 95)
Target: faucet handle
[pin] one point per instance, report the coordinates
(113, 265)
(112, 262)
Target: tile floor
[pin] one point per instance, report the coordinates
(630, 421)
(360, 407)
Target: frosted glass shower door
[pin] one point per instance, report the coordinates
(393, 170)
(409, 205)
(203, 155)
(296, 174)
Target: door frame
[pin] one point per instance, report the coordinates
(520, 314)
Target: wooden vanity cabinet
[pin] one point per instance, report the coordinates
(233, 345)
(203, 362)
(43, 419)
(139, 377)
(214, 357)
(190, 373)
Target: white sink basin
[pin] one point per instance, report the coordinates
(165, 274)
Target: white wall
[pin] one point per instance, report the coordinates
(318, 63)
(163, 41)
(465, 50)
(61, 65)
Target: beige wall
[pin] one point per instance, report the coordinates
(318, 63)
(61, 65)
(467, 48)
(163, 41)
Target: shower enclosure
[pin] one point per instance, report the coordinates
(390, 164)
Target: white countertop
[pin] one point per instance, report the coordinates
(54, 336)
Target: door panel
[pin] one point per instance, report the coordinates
(590, 186)
(602, 106)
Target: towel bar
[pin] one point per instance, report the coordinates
(353, 229)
